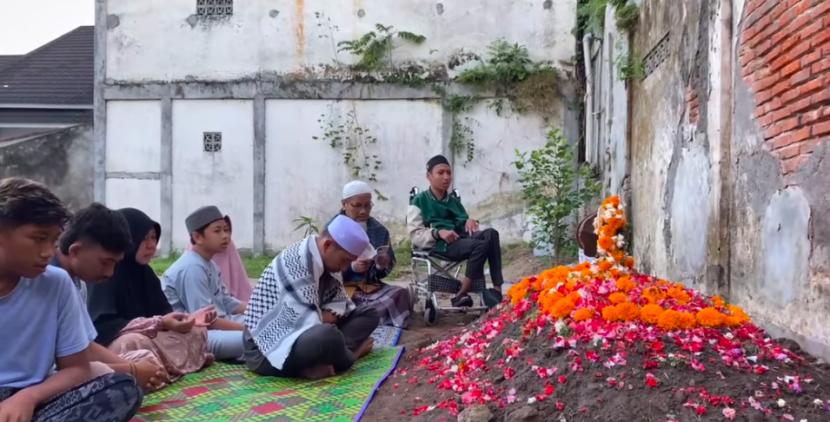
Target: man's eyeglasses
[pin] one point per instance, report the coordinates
(367, 207)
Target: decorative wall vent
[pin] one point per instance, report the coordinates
(657, 55)
(212, 141)
(214, 7)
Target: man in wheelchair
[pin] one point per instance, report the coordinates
(437, 221)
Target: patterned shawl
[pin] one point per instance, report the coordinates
(289, 298)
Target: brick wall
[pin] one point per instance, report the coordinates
(692, 105)
(785, 59)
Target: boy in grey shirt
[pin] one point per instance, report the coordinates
(193, 282)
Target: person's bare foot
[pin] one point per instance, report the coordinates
(318, 372)
(365, 348)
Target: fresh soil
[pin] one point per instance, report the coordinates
(601, 393)
(527, 374)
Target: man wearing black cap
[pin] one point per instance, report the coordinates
(193, 282)
(437, 221)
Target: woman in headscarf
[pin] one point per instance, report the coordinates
(232, 270)
(365, 276)
(131, 313)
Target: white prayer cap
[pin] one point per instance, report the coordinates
(351, 237)
(356, 187)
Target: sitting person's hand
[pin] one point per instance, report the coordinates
(18, 407)
(241, 308)
(361, 266)
(204, 317)
(383, 260)
(471, 226)
(329, 317)
(179, 322)
(149, 376)
(448, 236)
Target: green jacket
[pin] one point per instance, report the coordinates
(428, 214)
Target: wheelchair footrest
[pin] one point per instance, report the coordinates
(439, 283)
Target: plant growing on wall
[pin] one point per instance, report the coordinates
(355, 142)
(555, 187)
(324, 20)
(461, 137)
(510, 72)
(629, 68)
(374, 48)
(307, 224)
(591, 15)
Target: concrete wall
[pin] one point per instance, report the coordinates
(59, 159)
(269, 74)
(296, 36)
(729, 194)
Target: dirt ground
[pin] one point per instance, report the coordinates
(518, 262)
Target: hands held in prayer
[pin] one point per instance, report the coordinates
(361, 266)
(448, 236)
(204, 317)
(471, 226)
(329, 317)
(179, 322)
(149, 376)
(383, 260)
(17, 408)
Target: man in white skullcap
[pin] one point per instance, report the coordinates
(365, 277)
(299, 322)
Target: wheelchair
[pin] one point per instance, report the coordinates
(435, 280)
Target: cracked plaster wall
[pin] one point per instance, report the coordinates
(779, 227)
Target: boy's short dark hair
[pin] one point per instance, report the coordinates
(101, 225)
(200, 230)
(23, 201)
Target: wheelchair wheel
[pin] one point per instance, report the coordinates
(430, 314)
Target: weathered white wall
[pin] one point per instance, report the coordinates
(213, 69)
(132, 193)
(488, 185)
(224, 178)
(134, 136)
(284, 36)
(305, 176)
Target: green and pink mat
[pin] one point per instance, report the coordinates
(226, 392)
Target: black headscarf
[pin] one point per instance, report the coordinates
(133, 291)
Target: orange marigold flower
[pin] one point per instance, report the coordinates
(548, 298)
(628, 311)
(618, 297)
(709, 317)
(610, 313)
(562, 308)
(625, 284)
(605, 265)
(613, 200)
(718, 302)
(572, 284)
(583, 314)
(686, 320)
(607, 231)
(618, 255)
(518, 291)
(651, 313)
(605, 243)
(736, 316)
(628, 262)
(679, 294)
(669, 320)
(653, 294)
